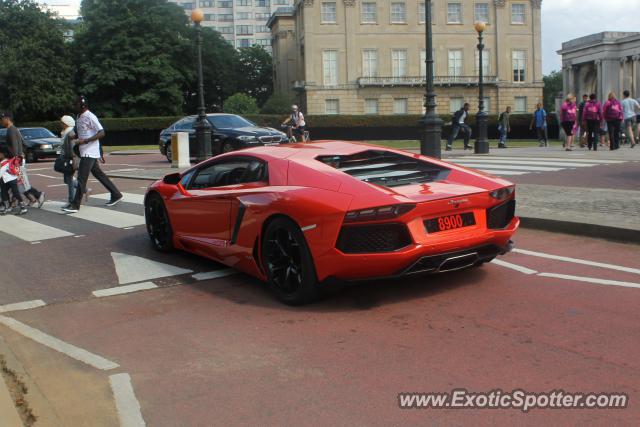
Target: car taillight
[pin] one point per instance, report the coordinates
(502, 193)
(375, 214)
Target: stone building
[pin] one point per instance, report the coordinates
(601, 63)
(368, 56)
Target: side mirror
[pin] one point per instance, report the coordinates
(172, 178)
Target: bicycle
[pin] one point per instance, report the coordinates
(292, 137)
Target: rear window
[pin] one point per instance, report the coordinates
(386, 168)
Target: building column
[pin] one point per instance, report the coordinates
(566, 80)
(635, 78)
(621, 80)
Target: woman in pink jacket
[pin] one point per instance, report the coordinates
(568, 115)
(592, 114)
(613, 114)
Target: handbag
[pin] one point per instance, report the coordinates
(62, 165)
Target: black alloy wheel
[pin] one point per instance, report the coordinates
(227, 147)
(287, 261)
(168, 153)
(158, 225)
(30, 156)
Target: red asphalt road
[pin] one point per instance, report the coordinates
(222, 352)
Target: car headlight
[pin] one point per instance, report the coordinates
(247, 138)
(45, 146)
(502, 193)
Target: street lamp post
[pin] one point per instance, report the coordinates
(432, 124)
(202, 127)
(482, 142)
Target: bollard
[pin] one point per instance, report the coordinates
(180, 156)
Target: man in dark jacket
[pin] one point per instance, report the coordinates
(14, 145)
(458, 123)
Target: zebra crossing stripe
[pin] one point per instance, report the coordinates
(137, 199)
(511, 167)
(502, 172)
(567, 164)
(29, 231)
(102, 216)
(559, 159)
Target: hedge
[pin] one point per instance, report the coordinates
(145, 130)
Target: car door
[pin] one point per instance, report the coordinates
(202, 213)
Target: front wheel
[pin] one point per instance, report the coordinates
(30, 156)
(169, 153)
(287, 260)
(158, 225)
(227, 147)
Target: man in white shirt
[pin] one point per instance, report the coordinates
(89, 132)
(630, 106)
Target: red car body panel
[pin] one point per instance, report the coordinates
(317, 196)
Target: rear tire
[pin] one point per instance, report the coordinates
(158, 224)
(168, 153)
(291, 274)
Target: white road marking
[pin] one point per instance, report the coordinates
(127, 404)
(215, 274)
(509, 167)
(26, 305)
(133, 269)
(566, 163)
(39, 169)
(58, 345)
(516, 267)
(591, 280)
(36, 243)
(45, 176)
(30, 231)
(502, 172)
(102, 216)
(125, 170)
(578, 261)
(56, 185)
(119, 290)
(127, 197)
(546, 159)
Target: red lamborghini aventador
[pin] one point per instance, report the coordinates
(297, 215)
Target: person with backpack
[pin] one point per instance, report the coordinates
(613, 115)
(504, 127)
(9, 171)
(458, 123)
(539, 119)
(68, 157)
(630, 106)
(568, 117)
(593, 117)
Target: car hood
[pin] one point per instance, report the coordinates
(42, 141)
(253, 131)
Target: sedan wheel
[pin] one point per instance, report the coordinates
(158, 225)
(227, 147)
(30, 156)
(169, 153)
(288, 263)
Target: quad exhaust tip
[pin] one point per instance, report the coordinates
(458, 262)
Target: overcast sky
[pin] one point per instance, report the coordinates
(562, 20)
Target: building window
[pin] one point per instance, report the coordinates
(243, 2)
(264, 42)
(481, 12)
(486, 63)
(400, 106)
(244, 42)
(225, 30)
(369, 63)
(330, 67)
(187, 6)
(423, 63)
(455, 104)
(244, 30)
(244, 16)
(332, 106)
(399, 63)
(369, 13)
(262, 16)
(455, 63)
(209, 17)
(421, 13)
(262, 3)
(225, 17)
(519, 60)
(225, 4)
(328, 12)
(520, 104)
(206, 3)
(517, 13)
(371, 106)
(398, 13)
(454, 13)
(262, 29)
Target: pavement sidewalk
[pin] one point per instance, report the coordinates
(593, 212)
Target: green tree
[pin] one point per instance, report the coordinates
(277, 104)
(36, 75)
(131, 56)
(240, 103)
(255, 73)
(552, 89)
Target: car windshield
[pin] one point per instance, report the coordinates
(386, 168)
(229, 122)
(36, 133)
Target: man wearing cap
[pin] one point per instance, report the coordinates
(89, 132)
(15, 142)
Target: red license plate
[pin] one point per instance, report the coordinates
(449, 222)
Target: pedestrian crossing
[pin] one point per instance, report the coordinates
(50, 222)
(513, 166)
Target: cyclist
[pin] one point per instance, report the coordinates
(295, 124)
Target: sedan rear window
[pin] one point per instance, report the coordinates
(386, 168)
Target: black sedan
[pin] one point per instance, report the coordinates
(229, 132)
(39, 143)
